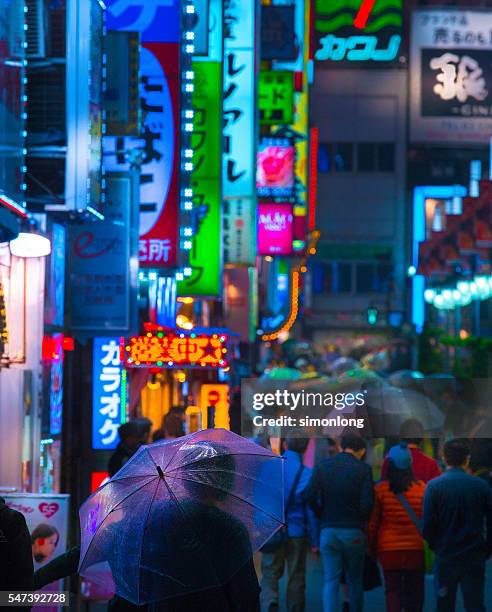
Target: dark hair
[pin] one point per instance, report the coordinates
(214, 470)
(44, 531)
(412, 431)
(172, 425)
(131, 428)
(143, 423)
(298, 445)
(399, 480)
(353, 441)
(158, 435)
(456, 452)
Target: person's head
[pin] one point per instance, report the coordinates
(353, 443)
(157, 435)
(44, 540)
(172, 426)
(130, 435)
(297, 445)
(145, 425)
(214, 471)
(400, 472)
(457, 453)
(412, 432)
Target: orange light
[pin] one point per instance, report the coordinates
(294, 310)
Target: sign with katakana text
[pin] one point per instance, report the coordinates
(276, 97)
(238, 177)
(176, 350)
(451, 76)
(108, 393)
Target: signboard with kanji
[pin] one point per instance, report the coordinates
(176, 350)
(276, 97)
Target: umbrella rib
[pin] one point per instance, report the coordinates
(213, 486)
(104, 519)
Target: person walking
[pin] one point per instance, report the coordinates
(395, 533)
(341, 493)
(301, 528)
(131, 435)
(424, 468)
(457, 524)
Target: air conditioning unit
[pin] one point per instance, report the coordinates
(36, 29)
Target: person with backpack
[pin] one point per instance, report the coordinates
(395, 532)
(457, 524)
(290, 545)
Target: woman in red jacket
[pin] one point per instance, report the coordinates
(394, 533)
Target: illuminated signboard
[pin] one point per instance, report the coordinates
(275, 229)
(157, 146)
(275, 167)
(451, 77)
(357, 30)
(177, 350)
(276, 97)
(108, 392)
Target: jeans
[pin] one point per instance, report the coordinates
(469, 574)
(404, 590)
(293, 554)
(343, 550)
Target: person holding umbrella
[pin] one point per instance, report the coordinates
(176, 528)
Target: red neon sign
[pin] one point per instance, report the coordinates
(176, 350)
(313, 177)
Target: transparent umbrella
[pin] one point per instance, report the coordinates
(181, 516)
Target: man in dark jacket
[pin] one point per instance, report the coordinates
(130, 440)
(16, 565)
(341, 494)
(457, 524)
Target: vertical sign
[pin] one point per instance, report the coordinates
(205, 256)
(108, 393)
(56, 387)
(240, 124)
(157, 148)
(102, 276)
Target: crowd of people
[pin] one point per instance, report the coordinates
(417, 518)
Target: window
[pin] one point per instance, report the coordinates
(332, 278)
(372, 277)
(376, 157)
(336, 157)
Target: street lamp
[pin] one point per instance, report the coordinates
(30, 245)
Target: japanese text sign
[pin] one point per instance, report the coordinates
(108, 393)
(451, 76)
(354, 31)
(275, 229)
(171, 350)
(276, 97)
(156, 150)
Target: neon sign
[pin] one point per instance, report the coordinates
(357, 49)
(176, 350)
(358, 30)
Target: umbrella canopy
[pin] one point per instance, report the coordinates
(343, 364)
(181, 516)
(389, 407)
(407, 379)
(282, 374)
(359, 373)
